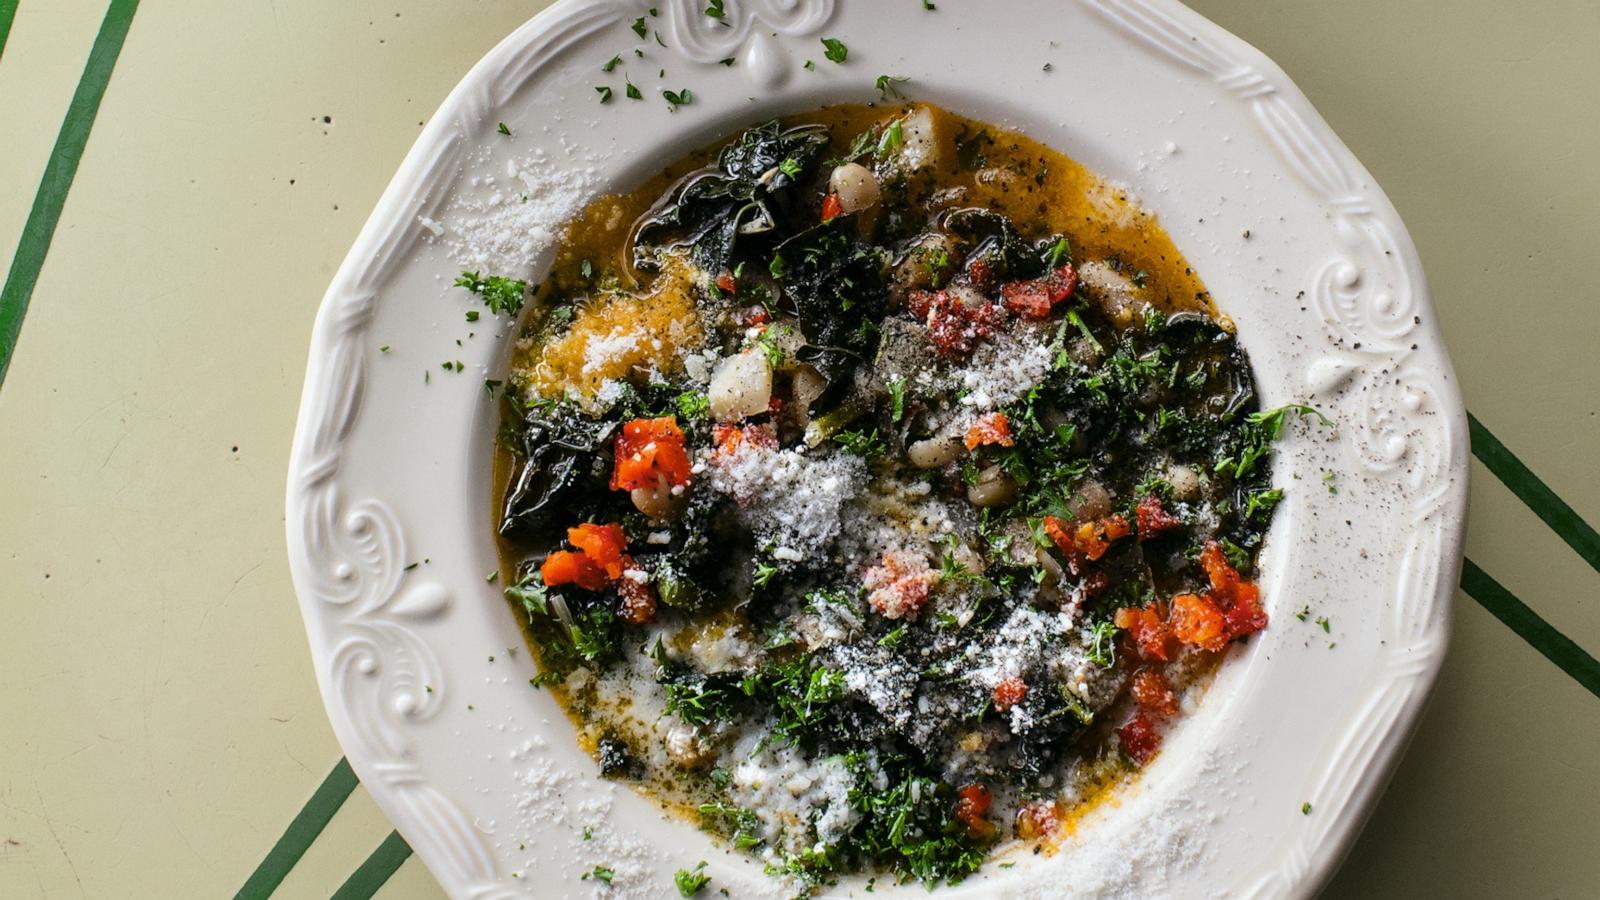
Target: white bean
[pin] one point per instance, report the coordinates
(657, 502)
(1114, 292)
(856, 187)
(805, 386)
(741, 386)
(934, 452)
(920, 139)
(1089, 500)
(993, 489)
(1185, 482)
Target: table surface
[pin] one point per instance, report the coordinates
(163, 730)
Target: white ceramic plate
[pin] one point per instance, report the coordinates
(480, 773)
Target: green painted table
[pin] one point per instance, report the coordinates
(180, 179)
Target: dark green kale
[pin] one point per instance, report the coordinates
(562, 459)
(750, 196)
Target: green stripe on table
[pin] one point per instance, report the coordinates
(59, 172)
(1516, 615)
(300, 834)
(1532, 490)
(8, 14)
(375, 872)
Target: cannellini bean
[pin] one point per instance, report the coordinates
(659, 502)
(856, 187)
(806, 384)
(918, 269)
(741, 386)
(1185, 482)
(1116, 295)
(994, 488)
(934, 452)
(920, 145)
(1089, 500)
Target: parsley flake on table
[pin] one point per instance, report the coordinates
(502, 295)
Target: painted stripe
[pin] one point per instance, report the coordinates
(375, 872)
(1516, 615)
(1532, 490)
(58, 174)
(302, 831)
(8, 14)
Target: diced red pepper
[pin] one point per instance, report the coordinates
(993, 428)
(1148, 628)
(972, 805)
(647, 452)
(1140, 738)
(899, 588)
(1153, 518)
(954, 327)
(831, 207)
(729, 438)
(605, 546)
(980, 273)
(1009, 693)
(757, 315)
(1036, 298)
(726, 283)
(566, 567)
(1086, 540)
(638, 600)
(1041, 818)
(1239, 600)
(1153, 695)
(1197, 621)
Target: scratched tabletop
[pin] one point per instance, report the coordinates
(178, 181)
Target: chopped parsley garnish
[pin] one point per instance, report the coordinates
(863, 444)
(897, 399)
(612, 63)
(641, 29)
(691, 881)
(835, 50)
(676, 99)
(503, 129)
(600, 873)
(605, 93)
(631, 90)
(715, 11)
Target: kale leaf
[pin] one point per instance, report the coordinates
(561, 455)
(750, 192)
